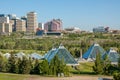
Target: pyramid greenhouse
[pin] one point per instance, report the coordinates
(113, 56)
(20, 55)
(92, 51)
(62, 53)
(36, 56)
(7, 55)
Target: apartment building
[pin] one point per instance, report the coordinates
(20, 25)
(32, 23)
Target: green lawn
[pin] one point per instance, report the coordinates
(8, 76)
(84, 68)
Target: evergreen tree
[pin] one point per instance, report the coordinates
(32, 61)
(116, 76)
(3, 64)
(54, 65)
(44, 67)
(119, 62)
(25, 66)
(58, 66)
(98, 67)
(66, 70)
(11, 65)
(50, 72)
(18, 65)
(106, 66)
(35, 67)
(62, 68)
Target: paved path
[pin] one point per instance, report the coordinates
(67, 78)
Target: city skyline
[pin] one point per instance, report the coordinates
(74, 13)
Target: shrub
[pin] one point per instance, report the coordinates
(116, 76)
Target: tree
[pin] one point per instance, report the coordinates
(116, 76)
(62, 68)
(98, 67)
(11, 65)
(119, 62)
(35, 67)
(3, 63)
(106, 66)
(58, 66)
(77, 53)
(18, 65)
(54, 65)
(25, 66)
(44, 67)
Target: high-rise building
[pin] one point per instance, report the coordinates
(20, 25)
(14, 25)
(12, 16)
(32, 24)
(8, 27)
(101, 29)
(12, 22)
(41, 26)
(2, 29)
(4, 19)
(24, 18)
(53, 26)
(5, 28)
(2, 15)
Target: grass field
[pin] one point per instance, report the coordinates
(8, 76)
(84, 68)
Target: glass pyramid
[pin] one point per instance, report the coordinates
(113, 56)
(7, 55)
(62, 53)
(36, 56)
(20, 55)
(92, 51)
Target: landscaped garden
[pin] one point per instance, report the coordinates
(73, 42)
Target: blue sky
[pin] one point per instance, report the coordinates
(84, 14)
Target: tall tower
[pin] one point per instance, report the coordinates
(32, 22)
